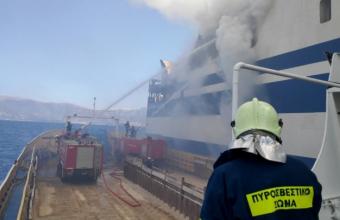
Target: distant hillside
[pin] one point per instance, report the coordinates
(12, 108)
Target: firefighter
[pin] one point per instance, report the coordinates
(68, 127)
(133, 132)
(127, 128)
(254, 179)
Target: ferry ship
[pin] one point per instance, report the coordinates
(191, 109)
(193, 112)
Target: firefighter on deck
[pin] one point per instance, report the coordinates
(127, 128)
(254, 179)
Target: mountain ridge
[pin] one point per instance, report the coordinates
(22, 109)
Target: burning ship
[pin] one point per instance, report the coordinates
(190, 106)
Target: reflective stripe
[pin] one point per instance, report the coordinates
(280, 198)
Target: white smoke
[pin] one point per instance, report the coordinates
(186, 10)
(232, 22)
(230, 25)
(236, 32)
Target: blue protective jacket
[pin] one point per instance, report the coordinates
(246, 186)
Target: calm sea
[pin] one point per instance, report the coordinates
(14, 135)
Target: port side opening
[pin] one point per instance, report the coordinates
(325, 11)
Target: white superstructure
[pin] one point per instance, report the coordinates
(194, 110)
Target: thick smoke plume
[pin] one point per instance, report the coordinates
(227, 34)
(232, 22)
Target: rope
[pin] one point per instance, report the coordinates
(135, 203)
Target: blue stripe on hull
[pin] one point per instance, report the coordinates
(303, 56)
(295, 96)
(287, 96)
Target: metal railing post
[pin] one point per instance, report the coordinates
(241, 65)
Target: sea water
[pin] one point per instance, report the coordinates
(14, 135)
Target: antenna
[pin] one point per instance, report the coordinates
(94, 107)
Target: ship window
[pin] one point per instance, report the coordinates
(213, 78)
(325, 10)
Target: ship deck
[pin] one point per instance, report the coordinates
(85, 200)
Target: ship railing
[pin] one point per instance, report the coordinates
(8, 182)
(161, 174)
(241, 65)
(24, 209)
(181, 196)
(26, 203)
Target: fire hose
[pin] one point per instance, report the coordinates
(133, 204)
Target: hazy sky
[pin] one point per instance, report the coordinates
(73, 50)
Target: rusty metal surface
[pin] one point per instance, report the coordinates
(46, 197)
(85, 200)
(82, 200)
(187, 202)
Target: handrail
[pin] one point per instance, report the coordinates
(241, 65)
(14, 165)
(6, 187)
(176, 197)
(159, 175)
(22, 214)
(8, 183)
(30, 205)
(176, 187)
(25, 199)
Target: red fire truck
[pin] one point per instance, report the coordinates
(154, 149)
(79, 156)
(147, 148)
